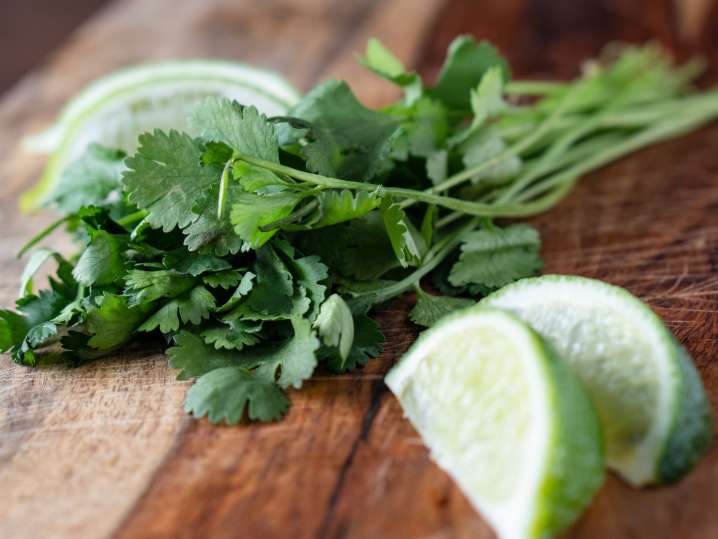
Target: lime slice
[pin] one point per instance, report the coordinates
(115, 109)
(650, 400)
(505, 419)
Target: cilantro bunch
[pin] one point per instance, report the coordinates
(257, 247)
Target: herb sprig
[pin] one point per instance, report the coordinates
(258, 246)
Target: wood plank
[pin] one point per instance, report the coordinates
(106, 451)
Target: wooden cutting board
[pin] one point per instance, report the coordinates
(105, 450)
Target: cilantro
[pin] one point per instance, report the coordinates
(494, 257)
(166, 177)
(194, 358)
(335, 326)
(91, 180)
(233, 334)
(224, 394)
(113, 321)
(429, 309)
(400, 235)
(101, 261)
(465, 65)
(292, 361)
(355, 140)
(191, 308)
(243, 129)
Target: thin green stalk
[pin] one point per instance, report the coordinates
(223, 186)
(646, 137)
(512, 151)
(465, 206)
(42, 235)
(133, 217)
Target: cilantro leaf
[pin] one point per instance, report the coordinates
(397, 228)
(274, 286)
(194, 358)
(101, 261)
(233, 334)
(309, 273)
(382, 62)
(429, 309)
(292, 361)
(224, 394)
(112, 321)
(243, 288)
(167, 178)
(198, 264)
(465, 65)
(224, 279)
(339, 206)
(90, 180)
(143, 286)
(354, 140)
(494, 257)
(486, 144)
(357, 249)
(250, 212)
(243, 129)
(335, 326)
(191, 308)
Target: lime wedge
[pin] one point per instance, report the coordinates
(115, 109)
(653, 409)
(506, 419)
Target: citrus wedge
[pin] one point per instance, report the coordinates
(653, 410)
(506, 419)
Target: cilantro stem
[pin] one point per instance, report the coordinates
(223, 185)
(644, 138)
(465, 206)
(133, 217)
(42, 235)
(512, 151)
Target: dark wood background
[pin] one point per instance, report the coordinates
(105, 450)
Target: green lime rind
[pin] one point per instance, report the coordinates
(567, 465)
(651, 403)
(576, 467)
(691, 432)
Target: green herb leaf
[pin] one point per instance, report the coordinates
(354, 142)
(429, 309)
(190, 308)
(101, 261)
(112, 322)
(166, 177)
(291, 362)
(241, 128)
(335, 326)
(194, 358)
(90, 180)
(224, 395)
(494, 257)
(465, 65)
(233, 334)
(397, 228)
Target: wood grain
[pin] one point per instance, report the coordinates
(105, 451)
